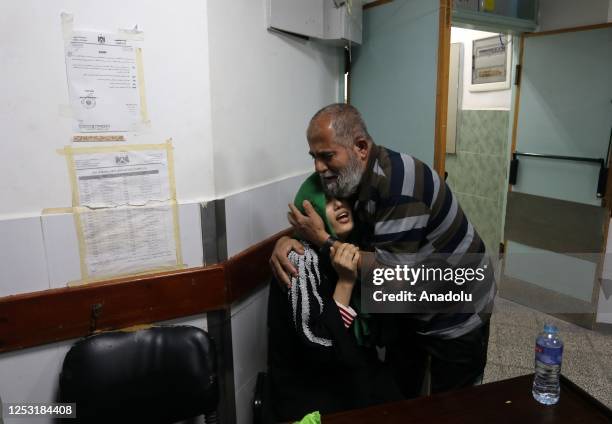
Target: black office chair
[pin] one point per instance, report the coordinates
(156, 375)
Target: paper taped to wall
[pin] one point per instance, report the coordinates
(124, 204)
(105, 81)
(127, 240)
(120, 178)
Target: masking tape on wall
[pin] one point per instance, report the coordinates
(144, 114)
(133, 34)
(78, 210)
(76, 214)
(170, 156)
(67, 25)
(54, 211)
(67, 152)
(150, 271)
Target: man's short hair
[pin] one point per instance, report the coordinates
(346, 122)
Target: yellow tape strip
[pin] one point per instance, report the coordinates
(52, 211)
(68, 153)
(82, 244)
(67, 25)
(170, 160)
(144, 114)
(175, 214)
(177, 234)
(68, 150)
(133, 34)
(113, 276)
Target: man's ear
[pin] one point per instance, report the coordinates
(361, 148)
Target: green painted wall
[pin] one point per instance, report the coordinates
(477, 172)
(393, 77)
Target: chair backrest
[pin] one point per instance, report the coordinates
(160, 374)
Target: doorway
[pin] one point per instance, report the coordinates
(556, 217)
(478, 128)
(547, 216)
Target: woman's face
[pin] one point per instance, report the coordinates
(340, 217)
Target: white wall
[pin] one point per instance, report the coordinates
(236, 100)
(33, 84)
(555, 14)
(40, 253)
(264, 89)
(477, 100)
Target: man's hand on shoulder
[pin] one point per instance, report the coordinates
(310, 226)
(282, 268)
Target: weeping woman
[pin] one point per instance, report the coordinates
(321, 352)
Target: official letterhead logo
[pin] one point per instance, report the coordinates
(122, 159)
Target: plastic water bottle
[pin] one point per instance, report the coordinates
(548, 355)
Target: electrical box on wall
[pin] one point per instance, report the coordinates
(334, 21)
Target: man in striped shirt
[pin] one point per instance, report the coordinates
(407, 216)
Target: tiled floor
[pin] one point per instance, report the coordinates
(587, 357)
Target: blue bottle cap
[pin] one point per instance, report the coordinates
(549, 328)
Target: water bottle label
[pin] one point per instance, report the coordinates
(548, 355)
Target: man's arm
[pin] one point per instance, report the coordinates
(310, 227)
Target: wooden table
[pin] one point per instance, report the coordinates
(508, 401)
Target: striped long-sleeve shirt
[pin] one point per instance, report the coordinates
(408, 213)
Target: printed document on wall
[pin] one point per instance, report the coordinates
(128, 240)
(105, 81)
(126, 216)
(120, 178)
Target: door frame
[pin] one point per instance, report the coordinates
(607, 199)
(444, 38)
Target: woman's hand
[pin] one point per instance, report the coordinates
(345, 260)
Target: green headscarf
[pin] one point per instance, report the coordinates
(312, 190)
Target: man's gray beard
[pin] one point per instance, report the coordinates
(347, 182)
